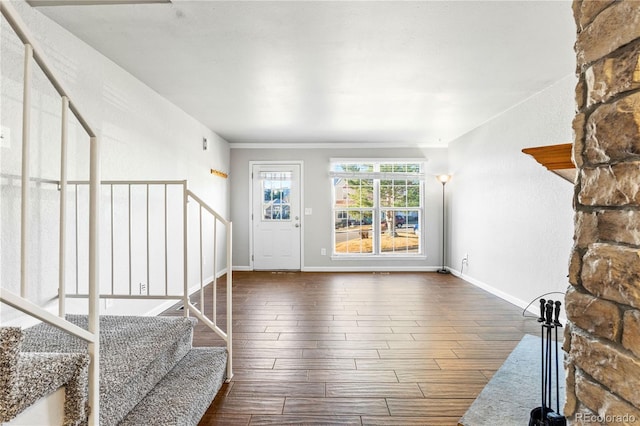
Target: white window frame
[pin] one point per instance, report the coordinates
(377, 176)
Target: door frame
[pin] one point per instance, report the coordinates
(253, 163)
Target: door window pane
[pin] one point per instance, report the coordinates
(276, 200)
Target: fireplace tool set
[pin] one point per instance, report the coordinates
(544, 415)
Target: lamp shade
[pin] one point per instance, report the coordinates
(444, 178)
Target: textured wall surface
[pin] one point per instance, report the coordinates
(508, 213)
(143, 136)
(603, 307)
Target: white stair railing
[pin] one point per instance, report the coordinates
(33, 53)
(199, 313)
(140, 203)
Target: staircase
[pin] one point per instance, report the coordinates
(25, 377)
(149, 372)
(114, 369)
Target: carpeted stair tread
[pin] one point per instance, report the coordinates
(185, 393)
(135, 353)
(27, 377)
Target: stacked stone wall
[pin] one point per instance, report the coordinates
(602, 338)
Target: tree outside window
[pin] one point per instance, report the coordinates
(377, 208)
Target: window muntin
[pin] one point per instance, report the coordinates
(276, 192)
(377, 208)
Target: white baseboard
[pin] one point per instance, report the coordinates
(533, 308)
(370, 268)
(26, 321)
(355, 268)
(242, 268)
(169, 303)
(496, 292)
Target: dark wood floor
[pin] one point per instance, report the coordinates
(360, 348)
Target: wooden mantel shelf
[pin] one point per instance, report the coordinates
(556, 158)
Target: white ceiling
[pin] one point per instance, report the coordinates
(393, 72)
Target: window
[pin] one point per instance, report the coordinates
(377, 207)
(276, 190)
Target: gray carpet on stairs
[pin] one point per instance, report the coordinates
(27, 377)
(149, 373)
(135, 354)
(184, 394)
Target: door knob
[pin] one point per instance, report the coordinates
(297, 225)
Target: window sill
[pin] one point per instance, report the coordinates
(380, 257)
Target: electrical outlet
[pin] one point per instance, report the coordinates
(465, 259)
(323, 251)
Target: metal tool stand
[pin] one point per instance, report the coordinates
(545, 415)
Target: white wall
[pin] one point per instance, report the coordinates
(143, 136)
(317, 196)
(512, 216)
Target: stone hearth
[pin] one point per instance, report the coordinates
(515, 389)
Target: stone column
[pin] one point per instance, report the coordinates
(602, 338)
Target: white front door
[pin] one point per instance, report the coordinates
(276, 216)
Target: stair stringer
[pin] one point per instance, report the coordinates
(27, 377)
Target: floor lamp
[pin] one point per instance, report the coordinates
(443, 180)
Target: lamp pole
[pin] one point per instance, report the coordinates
(443, 180)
